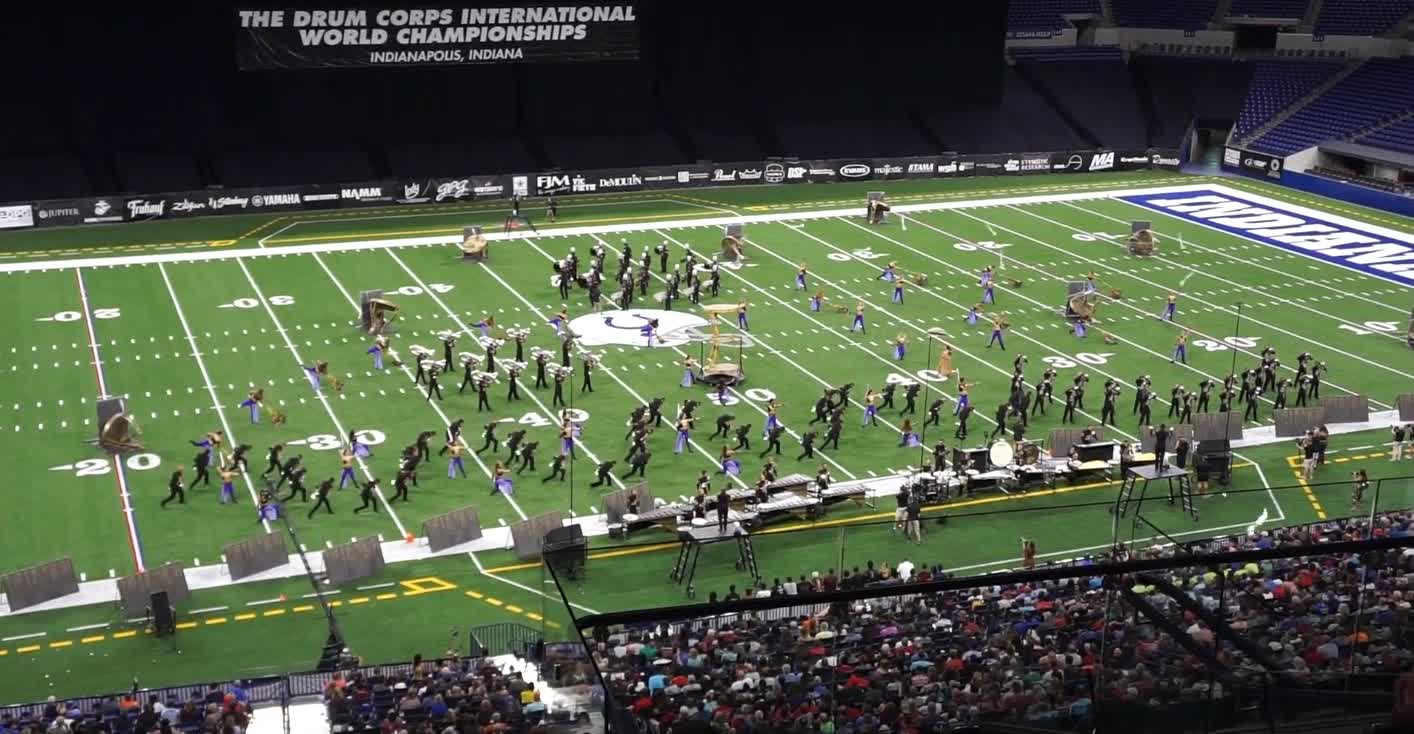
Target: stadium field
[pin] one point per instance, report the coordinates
(185, 318)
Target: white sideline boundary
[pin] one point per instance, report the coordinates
(646, 227)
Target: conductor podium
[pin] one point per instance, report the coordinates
(1139, 477)
(701, 533)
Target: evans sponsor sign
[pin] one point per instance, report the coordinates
(1370, 249)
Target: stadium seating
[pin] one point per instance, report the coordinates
(1045, 15)
(1399, 136)
(1024, 120)
(1377, 91)
(1018, 653)
(1361, 17)
(1268, 8)
(1099, 94)
(453, 693)
(1185, 14)
(56, 175)
(1275, 86)
(1184, 89)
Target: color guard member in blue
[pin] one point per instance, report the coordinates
(908, 438)
(728, 462)
(567, 436)
(998, 325)
(315, 372)
(800, 278)
(649, 332)
(871, 411)
(816, 301)
(858, 322)
(228, 485)
(684, 435)
(252, 403)
(1180, 349)
(346, 459)
(1170, 309)
(984, 278)
(379, 343)
(1080, 329)
(741, 316)
(773, 419)
(898, 291)
(972, 314)
(962, 398)
(900, 346)
(890, 273)
(689, 376)
(485, 326)
(454, 464)
(988, 295)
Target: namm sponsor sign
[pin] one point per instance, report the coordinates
(1370, 249)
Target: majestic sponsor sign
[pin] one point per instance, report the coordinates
(272, 38)
(626, 328)
(1370, 249)
(17, 216)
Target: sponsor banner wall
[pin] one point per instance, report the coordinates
(678, 177)
(374, 35)
(1252, 163)
(16, 216)
(98, 210)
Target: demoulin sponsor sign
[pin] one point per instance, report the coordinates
(1368, 248)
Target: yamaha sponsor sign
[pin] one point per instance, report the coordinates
(390, 35)
(16, 216)
(1370, 249)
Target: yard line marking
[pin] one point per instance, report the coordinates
(263, 602)
(85, 627)
(323, 400)
(407, 371)
(208, 609)
(373, 586)
(17, 638)
(1224, 309)
(210, 387)
(120, 474)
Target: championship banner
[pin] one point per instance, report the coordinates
(375, 35)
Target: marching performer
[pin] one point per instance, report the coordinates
(984, 278)
(858, 317)
(228, 487)
(684, 434)
(663, 254)
(1090, 285)
(689, 374)
(1080, 329)
(989, 296)
(485, 326)
(800, 278)
(501, 480)
(945, 362)
(346, 459)
(558, 399)
(314, 372)
(871, 411)
(1180, 348)
(998, 324)
(454, 461)
(380, 344)
(1170, 309)
(729, 464)
(816, 301)
(973, 314)
(741, 316)
(567, 437)
(588, 362)
(253, 403)
(962, 397)
(238, 460)
(449, 340)
(773, 420)
(900, 346)
(890, 273)
(898, 291)
(432, 384)
(909, 439)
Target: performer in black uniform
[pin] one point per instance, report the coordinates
(743, 438)
(273, 456)
(369, 499)
(321, 498)
(175, 490)
(488, 438)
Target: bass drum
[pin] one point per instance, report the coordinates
(1001, 454)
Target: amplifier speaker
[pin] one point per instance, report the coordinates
(164, 622)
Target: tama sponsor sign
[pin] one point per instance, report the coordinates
(1371, 249)
(16, 216)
